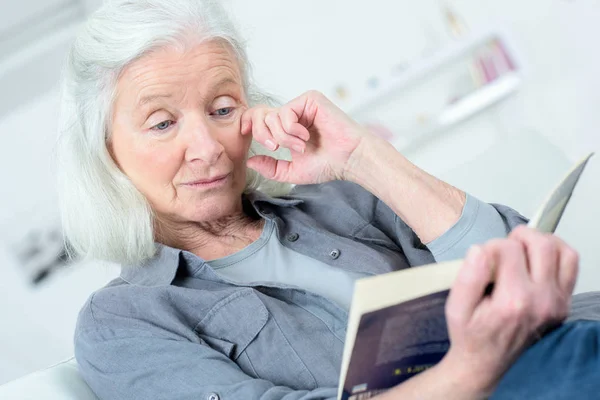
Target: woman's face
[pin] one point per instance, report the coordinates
(176, 131)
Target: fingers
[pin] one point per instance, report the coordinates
(512, 276)
(290, 123)
(535, 279)
(280, 135)
(551, 260)
(569, 268)
(275, 127)
(542, 252)
(532, 272)
(513, 299)
(261, 132)
(468, 289)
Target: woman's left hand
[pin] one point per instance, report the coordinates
(321, 137)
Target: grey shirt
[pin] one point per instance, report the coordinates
(174, 329)
(267, 261)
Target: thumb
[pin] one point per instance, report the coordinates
(270, 168)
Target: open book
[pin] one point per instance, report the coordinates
(397, 327)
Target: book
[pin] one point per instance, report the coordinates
(396, 324)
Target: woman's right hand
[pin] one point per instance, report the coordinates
(534, 275)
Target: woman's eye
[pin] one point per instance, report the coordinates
(222, 112)
(163, 126)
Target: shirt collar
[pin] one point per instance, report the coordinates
(162, 267)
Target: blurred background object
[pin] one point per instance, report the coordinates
(498, 97)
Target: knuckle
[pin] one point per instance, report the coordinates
(546, 311)
(521, 230)
(546, 245)
(263, 112)
(270, 117)
(505, 316)
(507, 246)
(493, 245)
(516, 309)
(315, 94)
(257, 117)
(513, 245)
(572, 273)
(571, 257)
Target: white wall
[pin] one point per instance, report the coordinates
(512, 154)
(37, 321)
(317, 44)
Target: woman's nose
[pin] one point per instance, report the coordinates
(202, 144)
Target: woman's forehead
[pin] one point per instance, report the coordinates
(205, 65)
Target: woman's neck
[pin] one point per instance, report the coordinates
(213, 239)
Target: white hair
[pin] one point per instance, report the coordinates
(103, 215)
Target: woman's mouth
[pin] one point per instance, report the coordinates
(208, 183)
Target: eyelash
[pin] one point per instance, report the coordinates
(224, 108)
(155, 127)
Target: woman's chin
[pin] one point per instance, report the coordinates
(214, 209)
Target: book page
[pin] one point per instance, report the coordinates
(420, 322)
(375, 294)
(548, 216)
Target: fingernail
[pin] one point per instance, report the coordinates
(298, 148)
(270, 144)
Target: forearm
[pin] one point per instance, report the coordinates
(428, 205)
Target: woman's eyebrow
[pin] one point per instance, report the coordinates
(152, 97)
(213, 88)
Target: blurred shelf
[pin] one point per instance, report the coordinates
(440, 91)
(463, 109)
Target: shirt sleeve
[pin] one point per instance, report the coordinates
(353, 199)
(478, 223)
(136, 364)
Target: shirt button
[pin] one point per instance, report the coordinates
(292, 237)
(335, 253)
(212, 396)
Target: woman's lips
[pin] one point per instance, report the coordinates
(208, 183)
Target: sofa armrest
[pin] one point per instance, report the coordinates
(60, 381)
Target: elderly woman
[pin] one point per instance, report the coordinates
(233, 284)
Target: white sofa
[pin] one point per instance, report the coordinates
(58, 382)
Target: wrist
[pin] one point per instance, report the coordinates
(361, 163)
(462, 379)
(442, 381)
